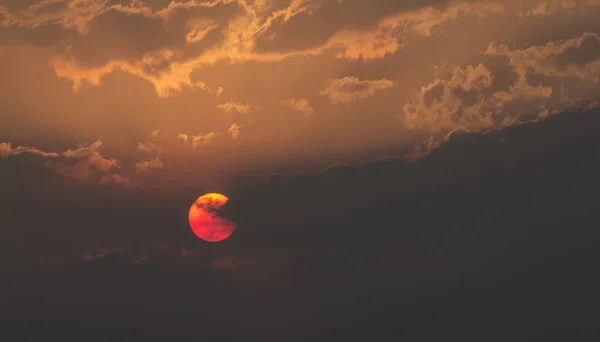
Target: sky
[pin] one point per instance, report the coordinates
(424, 151)
(202, 92)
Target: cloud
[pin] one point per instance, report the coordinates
(349, 89)
(164, 50)
(164, 83)
(146, 146)
(486, 96)
(225, 46)
(231, 106)
(159, 44)
(549, 7)
(301, 105)
(6, 150)
(115, 178)
(208, 138)
(150, 147)
(199, 140)
(183, 137)
(87, 155)
(448, 103)
(577, 57)
(354, 39)
(234, 130)
(72, 162)
(146, 165)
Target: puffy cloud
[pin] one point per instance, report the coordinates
(576, 57)
(231, 106)
(301, 105)
(183, 137)
(75, 163)
(485, 96)
(146, 165)
(349, 89)
(150, 147)
(115, 178)
(447, 103)
(200, 140)
(146, 146)
(5, 149)
(234, 131)
(87, 155)
(205, 139)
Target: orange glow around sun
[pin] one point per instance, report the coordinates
(205, 223)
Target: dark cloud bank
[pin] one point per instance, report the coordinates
(492, 237)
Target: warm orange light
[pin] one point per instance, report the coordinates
(204, 221)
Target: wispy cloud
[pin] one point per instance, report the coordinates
(350, 89)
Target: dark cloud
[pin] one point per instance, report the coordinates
(587, 51)
(478, 231)
(19, 5)
(115, 34)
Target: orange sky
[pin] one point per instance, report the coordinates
(173, 93)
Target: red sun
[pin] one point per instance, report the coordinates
(205, 223)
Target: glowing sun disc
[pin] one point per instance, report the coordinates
(204, 221)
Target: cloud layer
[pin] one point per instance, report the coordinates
(249, 85)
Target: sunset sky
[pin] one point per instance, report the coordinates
(322, 121)
(200, 92)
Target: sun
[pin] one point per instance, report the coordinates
(205, 222)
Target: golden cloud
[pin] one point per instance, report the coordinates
(234, 131)
(240, 35)
(150, 147)
(301, 105)
(231, 106)
(201, 140)
(253, 20)
(6, 150)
